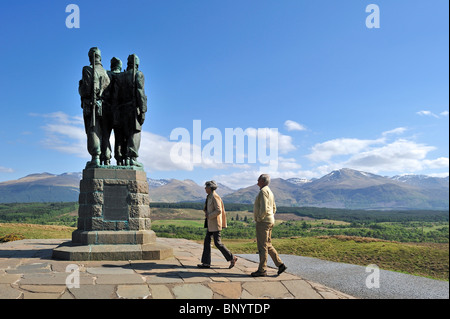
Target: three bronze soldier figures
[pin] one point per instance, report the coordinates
(113, 100)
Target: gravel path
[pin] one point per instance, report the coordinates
(351, 279)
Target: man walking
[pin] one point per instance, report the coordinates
(263, 211)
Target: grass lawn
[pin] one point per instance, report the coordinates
(179, 222)
(33, 231)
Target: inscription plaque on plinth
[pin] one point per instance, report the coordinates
(113, 218)
(115, 205)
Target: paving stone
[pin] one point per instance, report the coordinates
(218, 278)
(192, 291)
(94, 292)
(230, 290)
(264, 289)
(164, 279)
(236, 274)
(43, 289)
(9, 279)
(300, 289)
(67, 295)
(104, 263)
(61, 266)
(34, 295)
(30, 268)
(109, 271)
(7, 292)
(139, 265)
(9, 263)
(160, 292)
(133, 291)
(53, 279)
(329, 293)
(119, 279)
(246, 295)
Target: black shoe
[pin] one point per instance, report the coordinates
(259, 273)
(233, 262)
(281, 269)
(203, 266)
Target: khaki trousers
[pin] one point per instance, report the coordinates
(264, 242)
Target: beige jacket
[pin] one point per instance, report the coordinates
(264, 208)
(217, 218)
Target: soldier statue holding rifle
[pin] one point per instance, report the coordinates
(91, 87)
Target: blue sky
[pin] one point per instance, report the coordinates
(338, 93)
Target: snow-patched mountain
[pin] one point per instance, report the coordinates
(423, 181)
(298, 181)
(348, 188)
(154, 183)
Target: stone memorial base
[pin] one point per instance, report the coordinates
(113, 218)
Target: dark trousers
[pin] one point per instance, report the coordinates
(206, 257)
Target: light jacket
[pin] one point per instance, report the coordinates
(217, 218)
(264, 208)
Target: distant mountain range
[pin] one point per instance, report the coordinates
(344, 188)
(347, 188)
(43, 187)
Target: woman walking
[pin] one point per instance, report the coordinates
(215, 221)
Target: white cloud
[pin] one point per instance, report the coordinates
(398, 130)
(379, 155)
(429, 113)
(6, 170)
(155, 154)
(398, 156)
(426, 113)
(61, 117)
(439, 174)
(64, 133)
(293, 126)
(342, 146)
(284, 141)
(441, 162)
(287, 164)
(238, 179)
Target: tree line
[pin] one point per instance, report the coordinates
(401, 232)
(347, 215)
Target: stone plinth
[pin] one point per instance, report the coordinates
(113, 218)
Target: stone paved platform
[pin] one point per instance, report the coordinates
(28, 272)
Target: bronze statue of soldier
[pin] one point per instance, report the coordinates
(129, 94)
(111, 117)
(91, 88)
